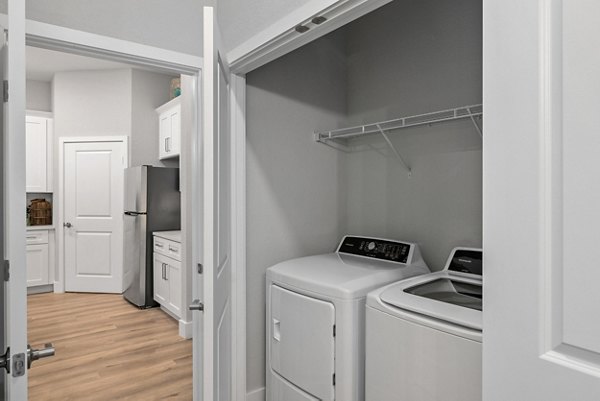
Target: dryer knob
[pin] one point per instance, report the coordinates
(371, 246)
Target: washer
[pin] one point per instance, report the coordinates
(424, 335)
(315, 317)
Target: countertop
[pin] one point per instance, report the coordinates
(170, 235)
(38, 228)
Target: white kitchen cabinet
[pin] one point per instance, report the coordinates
(38, 260)
(38, 154)
(169, 117)
(161, 285)
(168, 290)
(37, 265)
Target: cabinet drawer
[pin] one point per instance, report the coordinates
(168, 248)
(37, 237)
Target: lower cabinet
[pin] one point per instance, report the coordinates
(39, 256)
(37, 265)
(167, 283)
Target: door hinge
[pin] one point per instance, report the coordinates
(6, 270)
(334, 379)
(334, 330)
(5, 90)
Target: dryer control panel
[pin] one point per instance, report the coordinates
(391, 251)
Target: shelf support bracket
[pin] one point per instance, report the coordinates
(475, 123)
(391, 145)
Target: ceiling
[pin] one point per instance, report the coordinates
(42, 64)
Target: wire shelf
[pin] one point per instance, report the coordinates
(383, 128)
(459, 113)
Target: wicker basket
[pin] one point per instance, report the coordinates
(40, 212)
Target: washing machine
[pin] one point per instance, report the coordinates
(423, 335)
(315, 314)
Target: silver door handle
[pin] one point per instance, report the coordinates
(196, 305)
(68, 225)
(35, 354)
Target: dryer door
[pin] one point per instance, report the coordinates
(302, 341)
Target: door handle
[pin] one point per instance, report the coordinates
(196, 305)
(35, 354)
(276, 330)
(68, 225)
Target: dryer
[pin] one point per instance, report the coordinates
(315, 315)
(424, 335)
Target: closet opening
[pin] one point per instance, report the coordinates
(396, 95)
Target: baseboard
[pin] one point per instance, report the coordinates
(39, 289)
(256, 395)
(185, 329)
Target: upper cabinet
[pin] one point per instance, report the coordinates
(169, 117)
(38, 154)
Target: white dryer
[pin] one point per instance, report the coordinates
(424, 335)
(315, 317)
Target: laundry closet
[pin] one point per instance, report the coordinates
(415, 179)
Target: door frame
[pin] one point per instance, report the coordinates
(59, 281)
(68, 40)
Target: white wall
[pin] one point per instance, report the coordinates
(174, 25)
(295, 195)
(92, 103)
(241, 20)
(38, 95)
(403, 59)
(149, 90)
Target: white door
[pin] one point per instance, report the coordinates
(13, 333)
(93, 215)
(541, 337)
(36, 142)
(213, 336)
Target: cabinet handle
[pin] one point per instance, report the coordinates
(173, 249)
(166, 144)
(163, 271)
(31, 237)
(166, 272)
(159, 245)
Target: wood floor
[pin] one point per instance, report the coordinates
(106, 349)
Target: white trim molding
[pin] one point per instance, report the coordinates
(63, 39)
(282, 37)
(238, 221)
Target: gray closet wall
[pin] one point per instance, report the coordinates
(406, 58)
(295, 194)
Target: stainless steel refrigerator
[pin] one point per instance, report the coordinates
(152, 203)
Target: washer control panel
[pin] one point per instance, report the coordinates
(391, 251)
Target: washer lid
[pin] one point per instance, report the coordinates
(445, 296)
(341, 276)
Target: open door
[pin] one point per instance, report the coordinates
(213, 287)
(541, 329)
(13, 272)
